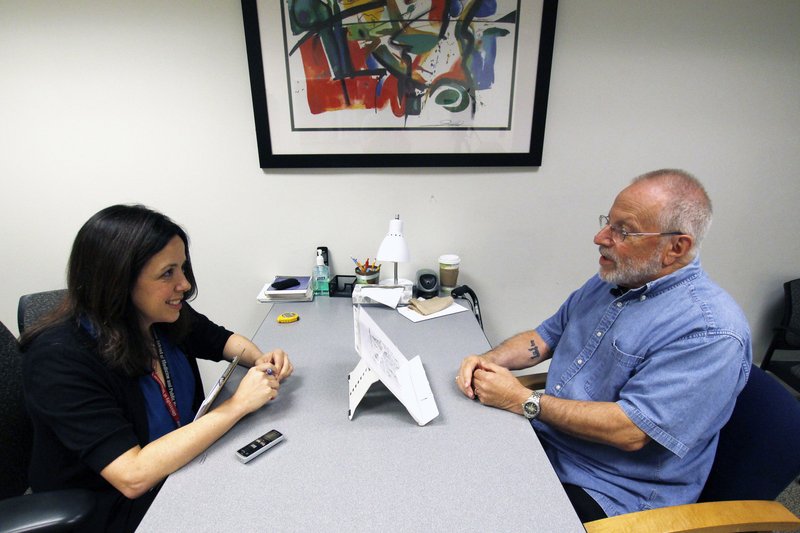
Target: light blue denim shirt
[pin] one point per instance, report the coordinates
(673, 355)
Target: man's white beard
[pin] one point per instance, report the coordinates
(630, 273)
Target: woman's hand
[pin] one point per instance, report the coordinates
(281, 362)
(259, 386)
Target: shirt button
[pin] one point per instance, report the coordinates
(599, 334)
(580, 361)
(642, 298)
(558, 387)
(619, 304)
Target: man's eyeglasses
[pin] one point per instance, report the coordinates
(618, 234)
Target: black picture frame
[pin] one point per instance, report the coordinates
(269, 158)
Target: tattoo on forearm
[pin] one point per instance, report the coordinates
(534, 351)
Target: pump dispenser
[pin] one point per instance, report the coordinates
(322, 276)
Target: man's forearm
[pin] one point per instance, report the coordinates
(603, 422)
(520, 351)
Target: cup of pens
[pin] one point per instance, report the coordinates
(367, 273)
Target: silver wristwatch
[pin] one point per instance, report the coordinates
(531, 408)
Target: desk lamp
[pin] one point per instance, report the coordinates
(394, 247)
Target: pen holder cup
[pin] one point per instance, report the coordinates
(370, 278)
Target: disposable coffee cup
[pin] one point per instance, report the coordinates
(448, 270)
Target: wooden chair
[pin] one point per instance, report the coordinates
(716, 517)
(535, 381)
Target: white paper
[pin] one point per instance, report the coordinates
(359, 380)
(387, 297)
(426, 403)
(416, 317)
(405, 379)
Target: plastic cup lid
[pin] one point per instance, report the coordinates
(449, 259)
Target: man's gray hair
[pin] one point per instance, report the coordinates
(688, 209)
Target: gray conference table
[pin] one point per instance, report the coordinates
(473, 468)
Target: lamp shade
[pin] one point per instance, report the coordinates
(394, 246)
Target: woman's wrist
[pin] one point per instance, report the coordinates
(233, 408)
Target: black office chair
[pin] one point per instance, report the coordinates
(787, 337)
(756, 460)
(63, 510)
(15, 428)
(36, 305)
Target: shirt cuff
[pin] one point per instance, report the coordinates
(653, 431)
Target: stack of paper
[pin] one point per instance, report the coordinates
(304, 292)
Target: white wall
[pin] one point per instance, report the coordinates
(149, 101)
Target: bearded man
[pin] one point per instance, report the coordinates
(647, 359)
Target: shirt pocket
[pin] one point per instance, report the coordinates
(612, 368)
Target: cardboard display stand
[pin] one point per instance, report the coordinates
(382, 361)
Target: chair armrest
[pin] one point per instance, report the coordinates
(60, 510)
(719, 517)
(533, 381)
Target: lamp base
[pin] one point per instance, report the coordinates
(400, 282)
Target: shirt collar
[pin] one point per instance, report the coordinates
(680, 276)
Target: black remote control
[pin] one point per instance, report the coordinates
(287, 283)
(263, 443)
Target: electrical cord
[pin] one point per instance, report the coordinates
(461, 291)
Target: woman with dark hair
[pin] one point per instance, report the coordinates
(111, 378)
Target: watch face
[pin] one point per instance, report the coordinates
(531, 407)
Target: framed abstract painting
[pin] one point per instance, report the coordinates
(399, 83)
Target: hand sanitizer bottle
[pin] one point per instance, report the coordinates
(322, 276)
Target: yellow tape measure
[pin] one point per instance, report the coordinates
(285, 318)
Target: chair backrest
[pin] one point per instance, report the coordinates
(791, 312)
(757, 454)
(16, 433)
(34, 306)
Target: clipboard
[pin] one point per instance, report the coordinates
(223, 379)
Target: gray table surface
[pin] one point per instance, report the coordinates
(473, 468)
